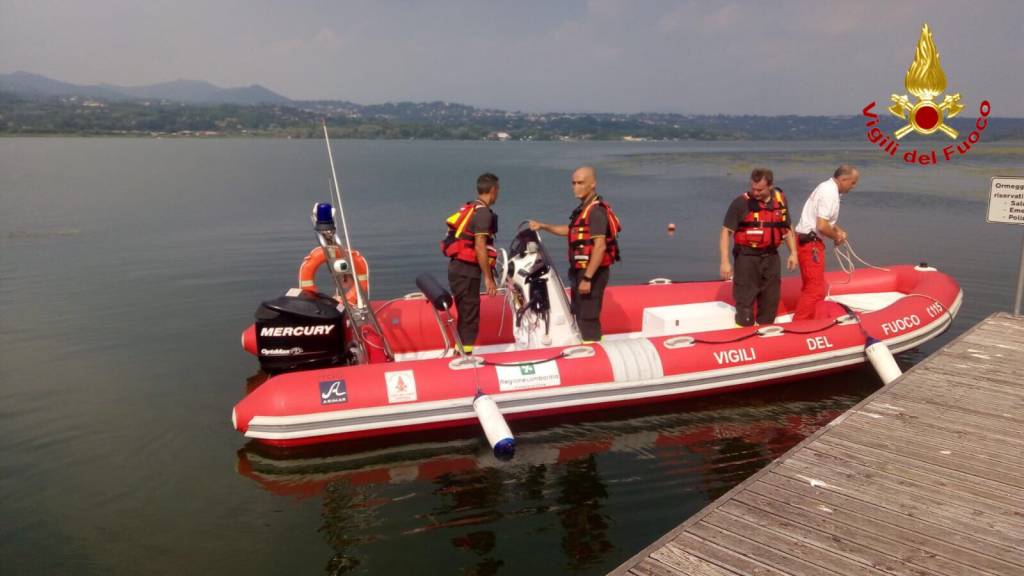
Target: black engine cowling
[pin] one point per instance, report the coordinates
(300, 332)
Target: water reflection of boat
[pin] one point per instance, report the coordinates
(565, 490)
(305, 471)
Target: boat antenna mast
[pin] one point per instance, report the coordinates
(361, 313)
(341, 210)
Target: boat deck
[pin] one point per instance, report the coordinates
(926, 476)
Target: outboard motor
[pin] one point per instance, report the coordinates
(542, 314)
(300, 331)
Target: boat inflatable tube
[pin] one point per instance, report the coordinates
(499, 436)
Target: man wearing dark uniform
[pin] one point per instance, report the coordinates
(593, 232)
(758, 221)
(470, 245)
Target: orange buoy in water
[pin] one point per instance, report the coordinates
(671, 227)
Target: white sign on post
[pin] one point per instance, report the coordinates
(1006, 200)
(1006, 206)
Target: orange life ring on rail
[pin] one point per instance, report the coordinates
(317, 257)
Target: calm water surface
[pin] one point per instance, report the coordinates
(129, 267)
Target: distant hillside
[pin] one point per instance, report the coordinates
(200, 92)
(31, 85)
(34, 85)
(32, 104)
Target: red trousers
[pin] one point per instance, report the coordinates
(812, 272)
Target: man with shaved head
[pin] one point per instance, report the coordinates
(593, 232)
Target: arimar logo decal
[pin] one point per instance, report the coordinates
(925, 81)
(333, 392)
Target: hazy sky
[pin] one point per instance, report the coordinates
(733, 57)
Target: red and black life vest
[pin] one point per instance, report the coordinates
(765, 224)
(581, 241)
(460, 242)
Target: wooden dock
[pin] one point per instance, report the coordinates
(926, 476)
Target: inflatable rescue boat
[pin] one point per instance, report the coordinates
(346, 367)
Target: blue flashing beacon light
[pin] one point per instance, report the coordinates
(324, 214)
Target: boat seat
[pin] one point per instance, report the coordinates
(687, 318)
(868, 302)
(440, 298)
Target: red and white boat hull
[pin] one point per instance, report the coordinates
(906, 307)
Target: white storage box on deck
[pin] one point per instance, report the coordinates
(687, 318)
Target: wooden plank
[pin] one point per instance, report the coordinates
(980, 457)
(983, 384)
(926, 489)
(865, 557)
(980, 385)
(991, 484)
(1005, 327)
(948, 419)
(726, 558)
(953, 373)
(923, 508)
(918, 500)
(965, 364)
(986, 377)
(958, 411)
(1004, 321)
(682, 561)
(961, 405)
(766, 534)
(989, 332)
(838, 501)
(947, 479)
(976, 379)
(859, 544)
(996, 333)
(946, 391)
(955, 460)
(776, 558)
(649, 567)
(986, 342)
(950, 558)
(988, 336)
(939, 436)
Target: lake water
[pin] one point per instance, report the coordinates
(128, 268)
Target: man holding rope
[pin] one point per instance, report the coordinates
(818, 220)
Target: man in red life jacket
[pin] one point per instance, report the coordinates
(470, 246)
(818, 220)
(593, 232)
(758, 222)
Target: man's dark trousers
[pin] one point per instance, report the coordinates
(756, 277)
(586, 308)
(466, 292)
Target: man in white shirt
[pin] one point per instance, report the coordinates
(818, 220)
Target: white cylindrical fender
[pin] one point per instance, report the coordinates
(881, 358)
(499, 436)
